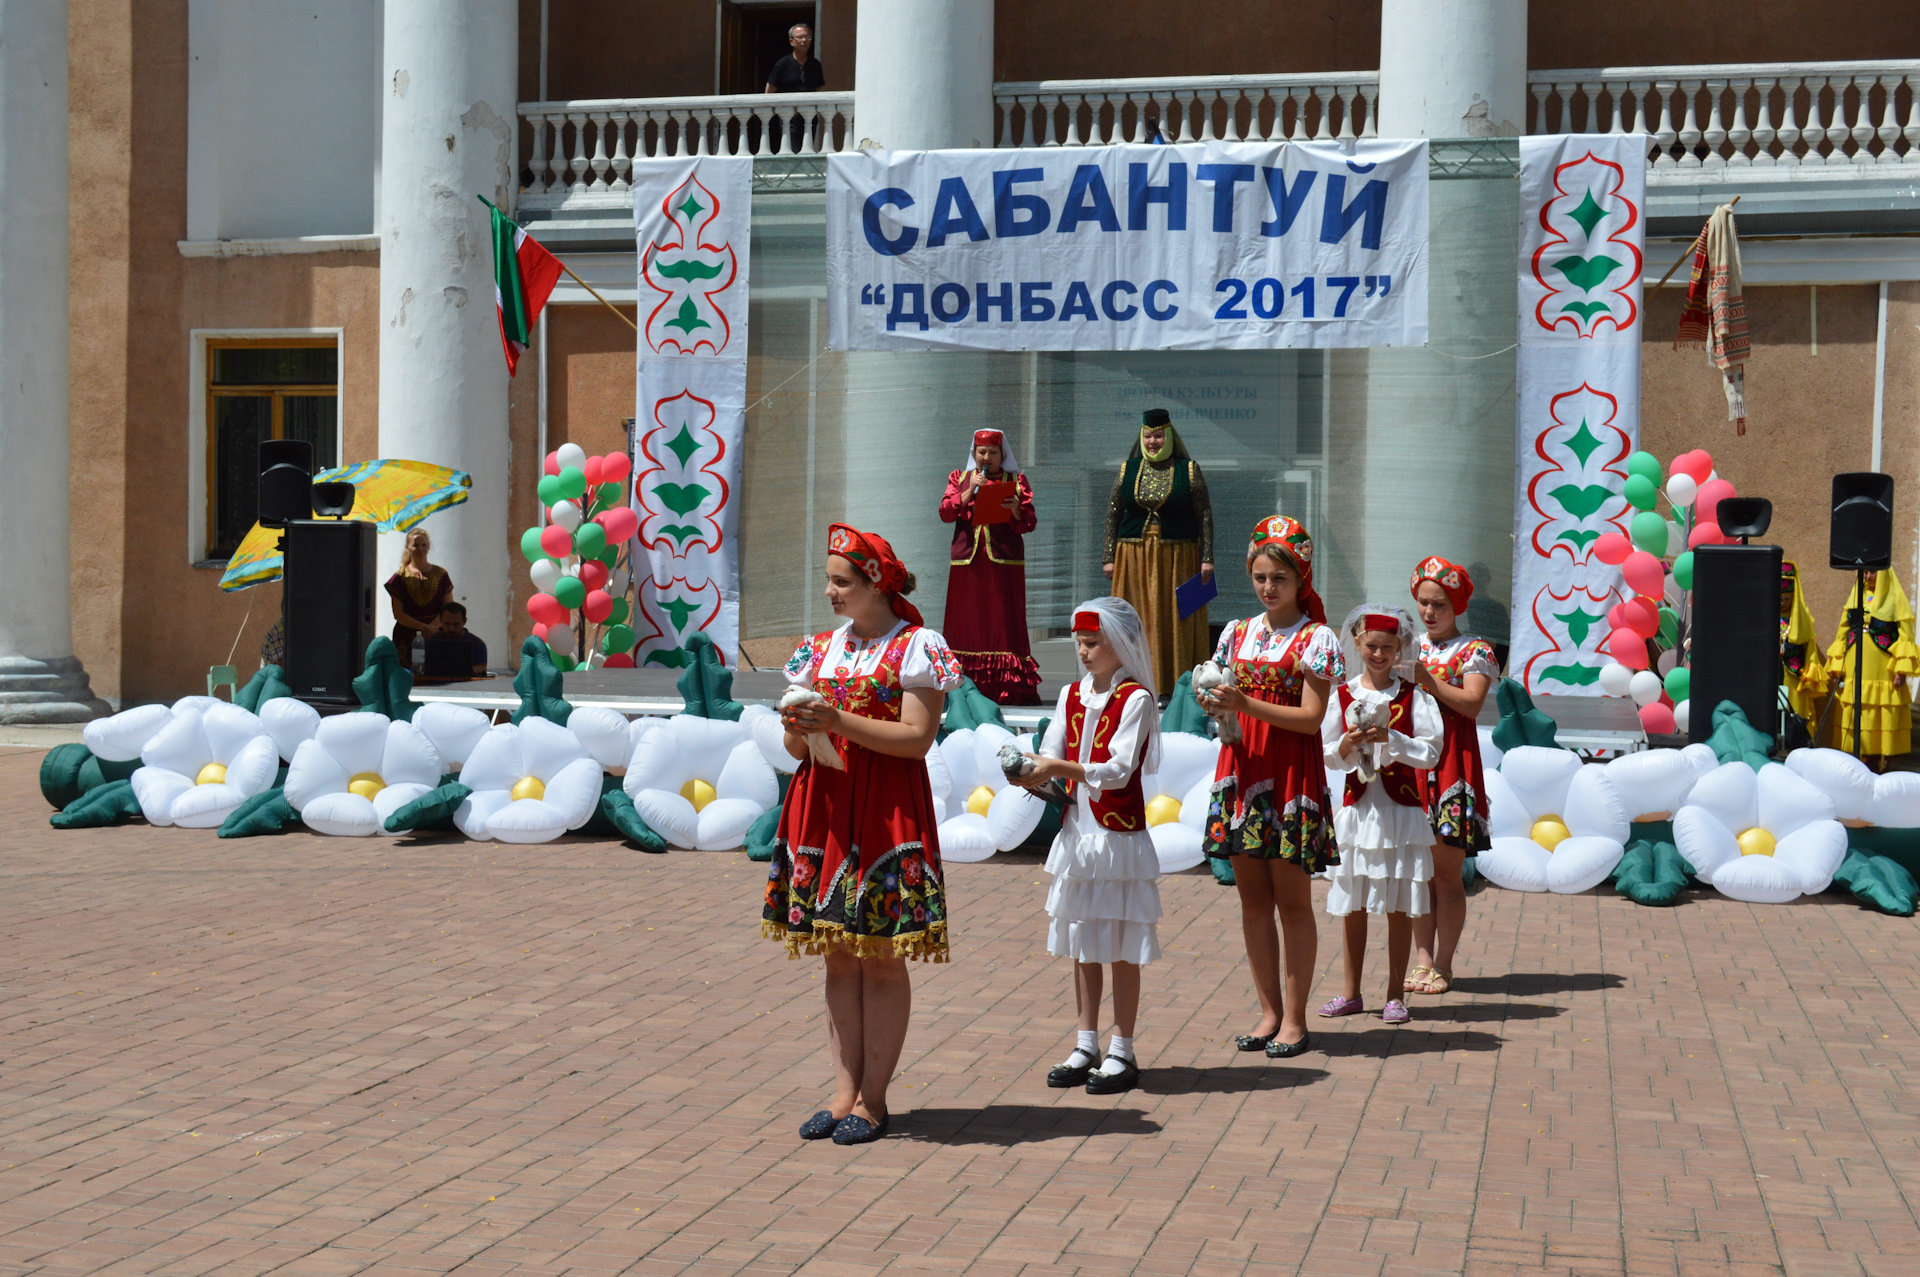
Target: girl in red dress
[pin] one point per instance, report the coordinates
(856, 864)
(1270, 810)
(987, 575)
(1456, 670)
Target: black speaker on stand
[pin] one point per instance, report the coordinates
(329, 588)
(1736, 635)
(1860, 541)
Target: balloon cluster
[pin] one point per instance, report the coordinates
(575, 554)
(1656, 559)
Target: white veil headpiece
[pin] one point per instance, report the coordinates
(1350, 639)
(1008, 462)
(1127, 635)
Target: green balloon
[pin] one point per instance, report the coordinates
(609, 556)
(573, 484)
(530, 545)
(1649, 530)
(1641, 492)
(619, 613)
(1669, 632)
(1683, 570)
(616, 638)
(589, 539)
(1679, 683)
(571, 591)
(1646, 466)
(551, 489)
(562, 662)
(608, 495)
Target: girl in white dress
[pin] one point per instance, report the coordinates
(1381, 821)
(1104, 905)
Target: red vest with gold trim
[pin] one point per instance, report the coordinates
(1401, 782)
(1123, 810)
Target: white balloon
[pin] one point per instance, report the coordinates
(1668, 660)
(1681, 490)
(571, 454)
(1615, 678)
(618, 585)
(1644, 687)
(1682, 716)
(566, 514)
(1676, 540)
(560, 638)
(545, 574)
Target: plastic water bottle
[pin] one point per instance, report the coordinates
(418, 658)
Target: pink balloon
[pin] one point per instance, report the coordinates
(1706, 506)
(1617, 617)
(540, 631)
(1696, 465)
(619, 661)
(553, 463)
(546, 610)
(1627, 648)
(1612, 549)
(620, 522)
(1657, 719)
(1705, 534)
(1642, 616)
(594, 574)
(615, 466)
(594, 471)
(1644, 574)
(556, 541)
(598, 607)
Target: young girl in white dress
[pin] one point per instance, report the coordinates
(1381, 819)
(1104, 905)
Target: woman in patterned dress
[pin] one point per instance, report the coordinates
(987, 575)
(1160, 533)
(856, 871)
(1270, 810)
(1456, 670)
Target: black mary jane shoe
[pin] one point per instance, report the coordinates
(1062, 1076)
(819, 1126)
(1114, 1083)
(858, 1130)
(1278, 1050)
(1253, 1042)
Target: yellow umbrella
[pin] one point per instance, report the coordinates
(393, 495)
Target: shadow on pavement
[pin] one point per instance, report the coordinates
(1225, 1080)
(1010, 1124)
(1527, 984)
(1382, 1042)
(1470, 1012)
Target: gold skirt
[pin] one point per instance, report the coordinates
(1145, 573)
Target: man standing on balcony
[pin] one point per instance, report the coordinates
(797, 72)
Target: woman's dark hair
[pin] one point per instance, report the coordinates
(908, 587)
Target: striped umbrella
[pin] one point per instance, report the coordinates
(395, 496)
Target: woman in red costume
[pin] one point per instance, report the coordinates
(1270, 810)
(987, 575)
(856, 871)
(1456, 670)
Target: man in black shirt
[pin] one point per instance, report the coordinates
(797, 72)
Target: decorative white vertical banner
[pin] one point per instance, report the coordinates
(692, 219)
(1582, 232)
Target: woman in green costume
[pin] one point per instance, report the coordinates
(1160, 533)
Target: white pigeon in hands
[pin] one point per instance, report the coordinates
(819, 747)
(1208, 675)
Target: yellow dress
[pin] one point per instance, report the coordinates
(1803, 672)
(1886, 727)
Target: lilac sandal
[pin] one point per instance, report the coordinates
(1342, 1006)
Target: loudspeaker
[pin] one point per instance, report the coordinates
(328, 596)
(286, 481)
(1744, 517)
(333, 500)
(1862, 529)
(1736, 635)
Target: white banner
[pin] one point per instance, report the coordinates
(1200, 246)
(693, 219)
(1582, 235)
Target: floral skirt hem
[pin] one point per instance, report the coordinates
(826, 937)
(1298, 833)
(1459, 822)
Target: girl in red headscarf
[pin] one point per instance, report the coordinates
(1456, 670)
(856, 873)
(987, 573)
(1270, 810)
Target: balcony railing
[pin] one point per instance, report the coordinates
(1774, 115)
(1229, 108)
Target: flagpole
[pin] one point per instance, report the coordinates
(575, 278)
(1691, 247)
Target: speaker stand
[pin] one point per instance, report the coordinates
(1857, 624)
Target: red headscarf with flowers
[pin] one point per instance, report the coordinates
(878, 563)
(1286, 537)
(1450, 577)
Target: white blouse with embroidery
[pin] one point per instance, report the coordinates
(1480, 660)
(1264, 643)
(840, 654)
(1123, 751)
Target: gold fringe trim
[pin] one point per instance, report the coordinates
(923, 946)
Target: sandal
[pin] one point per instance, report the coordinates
(1417, 977)
(1436, 982)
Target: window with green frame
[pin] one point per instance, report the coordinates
(257, 389)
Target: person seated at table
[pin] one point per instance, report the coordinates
(420, 589)
(455, 652)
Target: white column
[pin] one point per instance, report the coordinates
(1453, 68)
(923, 75)
(40, 681)
(448, 135)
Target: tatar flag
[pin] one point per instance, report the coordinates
(523, 278)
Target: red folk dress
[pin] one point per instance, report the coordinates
(1456, 789)
(1270, 787)
(856, 862)
(986, 623)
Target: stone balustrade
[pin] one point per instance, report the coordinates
(1229, 108)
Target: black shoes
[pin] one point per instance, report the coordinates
(1251, 1042)
(819, 1126)
(853, 1129)
(1278, 1050)
(1062, 1076)
(1114, 1083)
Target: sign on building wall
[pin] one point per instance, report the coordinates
(1582, 232)
(692, 219)
(1201, 246)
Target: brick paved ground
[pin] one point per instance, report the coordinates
(308, 1055)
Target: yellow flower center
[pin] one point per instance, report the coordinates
(366, 784)
(1756, 842)
(211, 774)
(698, 792)
(1550, 832)
(528, 787)
(1163, 810)
(979, 800)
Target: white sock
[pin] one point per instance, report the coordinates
(1118, 1048)
(1085, 1050)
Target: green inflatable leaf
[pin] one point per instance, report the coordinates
(1222, 870)
(1899, 843)
(70, 770)
(267, 812)
(765, 832)
(1879, 882)
(968, 706)
(707, 684)
(617, 809)
(431, 812)
(539, 685)
(1734, 740)
(110, 804)
(269, 682)
(1469, 870)
(1183, 713)
(385, 686)
(1651, 873)
(1520, 723)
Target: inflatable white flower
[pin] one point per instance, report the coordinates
(452, 730)
(1555, 824)
(700, 783)
(1763, 837)
(201, 763)
(357, 770)
(984, 813)
(762, 725)
(604, 733)
(120, 737)
(1653, 783)
(531, 783)
(1177, 797)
